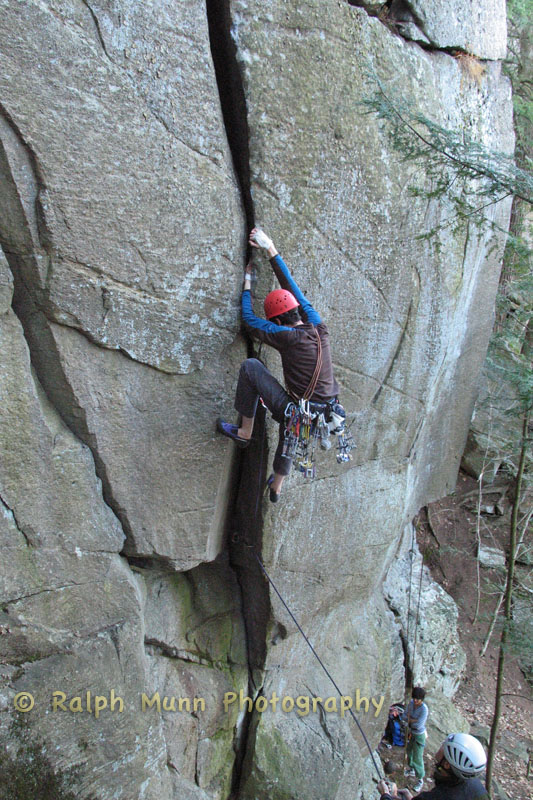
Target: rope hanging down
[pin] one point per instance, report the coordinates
(417, 618)
(269, 579)
(262, 566)
(411, 557)
(412, 554)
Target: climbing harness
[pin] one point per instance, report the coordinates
(308, 423)
(361, 731)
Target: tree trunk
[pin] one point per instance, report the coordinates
(508, 603)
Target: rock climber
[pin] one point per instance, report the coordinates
(295, 329)
(416, 715)
(458, 761)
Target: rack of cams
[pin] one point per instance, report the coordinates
(308, 423)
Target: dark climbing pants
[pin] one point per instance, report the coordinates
(415, 753)
(255, 381)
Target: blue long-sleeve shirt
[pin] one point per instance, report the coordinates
(297, 345)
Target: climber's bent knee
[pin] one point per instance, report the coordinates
(256, 381)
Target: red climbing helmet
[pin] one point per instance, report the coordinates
(278, 302)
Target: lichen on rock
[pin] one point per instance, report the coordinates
(131, 528)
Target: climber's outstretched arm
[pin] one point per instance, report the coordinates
(258, 238)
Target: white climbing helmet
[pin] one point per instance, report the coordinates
(465, 754)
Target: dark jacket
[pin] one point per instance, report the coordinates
(456, 789)
(453, 788)
(297, 346)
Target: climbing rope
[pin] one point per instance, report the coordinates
(411, 559)
(418, 608)
(406, 699)
(262, 566)
(417, 617)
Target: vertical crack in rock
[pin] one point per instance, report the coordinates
(27, 247)
(395, 355)
(245, 521)
(245, 527)
(196, 620)
(232, 97)
(407, 664)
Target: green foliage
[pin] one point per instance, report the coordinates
(509, 357)
(467, 178)
(518, 69)
(459, 171)
(511, 351)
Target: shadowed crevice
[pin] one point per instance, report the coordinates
(245, 534)
(97, 29)
(232, 98)
(244, 525)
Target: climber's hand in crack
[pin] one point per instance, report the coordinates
(258, 238)
(248, 275)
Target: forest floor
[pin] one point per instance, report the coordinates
(448, 532)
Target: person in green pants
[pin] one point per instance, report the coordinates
(416, 715)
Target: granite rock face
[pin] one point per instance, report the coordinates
(132, 530)
(117, 257)
(71, 615)
(428, 619)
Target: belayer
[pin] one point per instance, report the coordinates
(416, 715)
(295, 329)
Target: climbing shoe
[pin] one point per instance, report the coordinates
(409, 772)
(274, 496)
(418, 785)
(231, 432)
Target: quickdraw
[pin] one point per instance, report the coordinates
(308, 423)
